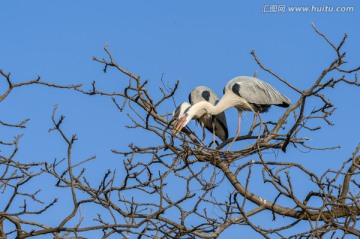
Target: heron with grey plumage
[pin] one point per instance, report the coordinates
(245, 93)
(216, 124)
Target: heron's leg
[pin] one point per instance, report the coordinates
(252, 125)
(258, 113)
(204, 134)
(213, 136)
(238, 130)
(260, 122)
(213, 142)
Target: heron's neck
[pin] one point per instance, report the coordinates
(228, 100)
(199, 109)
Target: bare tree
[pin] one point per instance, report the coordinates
(142, 203)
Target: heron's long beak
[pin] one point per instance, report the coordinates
(179, 125)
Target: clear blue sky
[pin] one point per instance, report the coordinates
(196, 42)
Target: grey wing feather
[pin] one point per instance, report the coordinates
(197, 93)
(221, 119)
(190, 98)
(256, 91)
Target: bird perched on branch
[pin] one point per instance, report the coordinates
(216, 124)
(245, 93)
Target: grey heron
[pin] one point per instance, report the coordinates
(245, 93)
(216, 124)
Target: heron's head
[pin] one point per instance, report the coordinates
(181, 123)
(180, 110)
(194, 112)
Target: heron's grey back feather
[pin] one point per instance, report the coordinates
(257, 92)
(201, 93)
